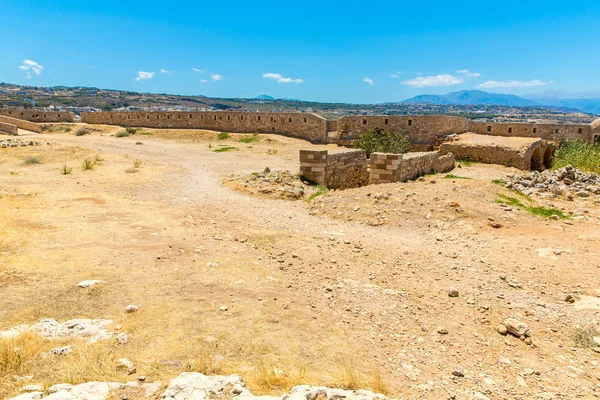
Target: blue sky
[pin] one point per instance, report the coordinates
(350, 51)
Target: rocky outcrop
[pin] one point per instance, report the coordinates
(567, 181)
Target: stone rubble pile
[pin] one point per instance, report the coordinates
(90, 329)
(279, 183)
(193, 386)
(16, 142)
(568, 182)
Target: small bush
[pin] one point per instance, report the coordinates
(122, 134)
(68, 129)
(223, 136)
(272, 151)
(82, 132)
(131, 131)
(225, 149)
(88, 164)
(32, 161)
(66, 170)
(98, 159)
(465, 162)
(137, 163)
(583, 156)
(500, 182)
(379, 141)
(320, 191)
(250, 139)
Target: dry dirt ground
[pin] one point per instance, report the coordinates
(349, 289)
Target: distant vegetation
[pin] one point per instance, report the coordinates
(223, 136)
(541, 211)
(82, 132)
(225, 149)
(580, 155)
(250, 139)
(32, 161)
(379, 141)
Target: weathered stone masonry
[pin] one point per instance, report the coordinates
(19, 123)
(350, 169)
(307, 126)
(38, 116)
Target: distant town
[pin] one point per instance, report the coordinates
(89, 99)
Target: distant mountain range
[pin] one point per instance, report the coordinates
(555, 99)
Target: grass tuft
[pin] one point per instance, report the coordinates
(500, 182)
(272, 151)
(452, 176)
(225, 149)
(580, 155)
(32, 161)
(321, 190)
(223, 136)
(121, 134)
(584, 337)
(137, 163)
(541, 211)
(66, 170)
(465, 162)
(82, 132)
(250, 139)
(88, 164)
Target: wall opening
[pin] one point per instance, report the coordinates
(148, 116)
(534, 130)
(258, 118)
(215, 117)
(510, 129)
(410, 122)
(364, 121)
(289, 120)
(489, 128)
(548, 156)
(580, 131)
(537, 160)
(228, 117)
(386, 121)
(305, 120)
(556, 131)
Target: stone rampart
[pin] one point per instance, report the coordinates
(38, 116)
(347, 169)
(8, 129)
(307, 126)
(555, 132)
(19, 123)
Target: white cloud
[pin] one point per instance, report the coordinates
(512, 84)
(203, 81)
(216, 77)
(369, 81)
(142, 75)
(198, 70)
(165, 71)
(281, 79)
(29, 65)
(468, 73)
(393, 76)
(436, 80)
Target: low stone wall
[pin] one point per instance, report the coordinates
(19, 123)
(349, 169)
(8, 129)
(38, 116)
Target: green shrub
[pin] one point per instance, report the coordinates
(137, 163)
(500, 182)
(82, 132)
(131, 131)
(379, 141)
(581, 155)
(584, 337)
(321, 190)
(32, 161)
(122, 134)
(541, 211)
(464, 161)
(223, 136)
(452, 176)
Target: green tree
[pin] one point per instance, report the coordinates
(377, 140)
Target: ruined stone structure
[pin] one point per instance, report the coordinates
(38, 116)
(19, 123)
(350, 169)
(521, 152)
(8, 129)
(307, 126)
(595, 131)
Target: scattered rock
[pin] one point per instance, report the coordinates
(516, 327)
(61, 351)
(126, 365)
(122, 338)
(442, 331)
(452, 292)
(89, 283)
(131, 308)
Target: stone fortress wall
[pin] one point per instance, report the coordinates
(39, 116)
(425, 132)
(307, 126)
(19, 123)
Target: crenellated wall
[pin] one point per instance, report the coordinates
(557, 132)
(307, 126)
(38, 116)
